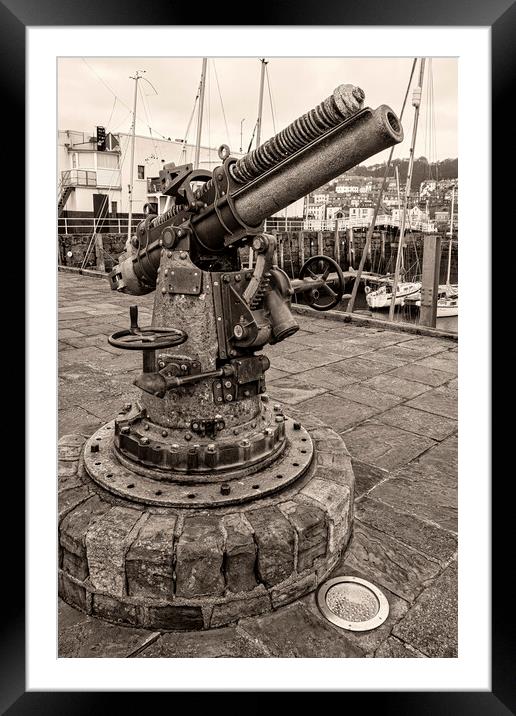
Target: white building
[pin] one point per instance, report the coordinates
(361, 213)
(92, 175)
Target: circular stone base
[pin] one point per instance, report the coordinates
(173, 568)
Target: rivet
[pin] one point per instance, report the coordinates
(235, 431)
(253, 425)
(166, 272)
(145, 441)
(247, 393)
(164, 290)
(219, 400)
(161, 364)
(164, 433)
(169, 254)
(226, 279)
(188, 436)
(237, 277)
(183, 255)
(145, 427)
(211, 447)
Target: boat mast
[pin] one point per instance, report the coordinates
(200, 113)
(131, 161)
(448, 273)
(416, 102)
(260, 103)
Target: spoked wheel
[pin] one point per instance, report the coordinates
(328, 279)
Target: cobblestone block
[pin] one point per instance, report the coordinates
(107, 542)
(199, 557)
(182, 618)
(149, 562)
(275, 538)
(312, 532)
(239, 554)
(239, 608)
(335, 500)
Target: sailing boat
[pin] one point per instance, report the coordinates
(382, 297)
(448, 294)
(405, 290)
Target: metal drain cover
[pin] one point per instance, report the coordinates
(352, 603)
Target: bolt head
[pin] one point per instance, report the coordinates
(145, 441)
(227, 383)
(225, 489)
(188, 436)
(229, 397)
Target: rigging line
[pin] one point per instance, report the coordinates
(119, 98)
(270, 99)
(351, 302)
(221, 102)
(208, 87)
(147, 115)
(111, 115)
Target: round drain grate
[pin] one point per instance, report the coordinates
(352, 603)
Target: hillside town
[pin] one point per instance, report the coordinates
(349, 201)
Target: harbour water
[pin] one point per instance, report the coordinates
(406, 314)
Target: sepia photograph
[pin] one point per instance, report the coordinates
(258, 340)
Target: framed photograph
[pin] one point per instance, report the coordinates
(182, 507)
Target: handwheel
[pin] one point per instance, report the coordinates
(318, 269)
(146, 339)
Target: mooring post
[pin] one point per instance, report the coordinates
(351, 249)
(430, 280)
(301, 248)
(99, 253)
(320, 243)
(336, 248)
(281, 247)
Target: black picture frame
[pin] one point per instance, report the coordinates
(500, 16)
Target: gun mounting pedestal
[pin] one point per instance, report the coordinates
(202, 501)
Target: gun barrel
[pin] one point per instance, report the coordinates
(361, 136)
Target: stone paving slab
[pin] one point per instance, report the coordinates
(431, 620)
(384, 445)
(388, 562)
(393, 397)
(297, 632)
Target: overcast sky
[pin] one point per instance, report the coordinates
(86, 89)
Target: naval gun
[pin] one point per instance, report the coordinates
(202, 501)
(203, 412)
